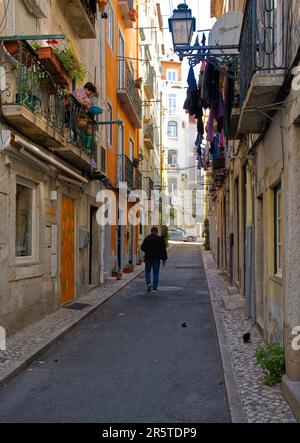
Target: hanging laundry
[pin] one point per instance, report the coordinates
(193, 101)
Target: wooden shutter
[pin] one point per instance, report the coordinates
(24, 22)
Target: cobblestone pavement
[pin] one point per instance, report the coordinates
(24, 345)
(262, 404)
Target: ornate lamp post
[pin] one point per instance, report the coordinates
(182, 26)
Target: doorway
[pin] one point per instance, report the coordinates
(94, 258)
(67, 260)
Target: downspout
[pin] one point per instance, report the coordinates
(102, 135)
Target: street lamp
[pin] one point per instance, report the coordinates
(182, 26)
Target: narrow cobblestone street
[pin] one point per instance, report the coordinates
(132, 360)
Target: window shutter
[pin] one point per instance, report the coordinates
(25, 23)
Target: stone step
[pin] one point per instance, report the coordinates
(233, 302)
(232, 290)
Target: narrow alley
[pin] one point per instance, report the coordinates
(132, 360)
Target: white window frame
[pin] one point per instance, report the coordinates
(110, 132)
(172, 127)
(172, 104)
(172, 75)
(111, 27)
(131, 149)
(28, 184)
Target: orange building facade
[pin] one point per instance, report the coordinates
(123, 104)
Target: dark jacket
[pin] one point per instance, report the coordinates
(154, 248)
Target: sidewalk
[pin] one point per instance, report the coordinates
(28, 344)
(261, 403)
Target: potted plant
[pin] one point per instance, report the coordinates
(116, 273)
(54, 66)
(82, 121)
(102, 4)
(128, 268)
(132, 14)
(14, 48)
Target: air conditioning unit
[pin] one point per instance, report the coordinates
(38, 8)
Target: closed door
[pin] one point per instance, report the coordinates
(67, 267)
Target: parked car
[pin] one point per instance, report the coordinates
(181, 235)
(177, 234)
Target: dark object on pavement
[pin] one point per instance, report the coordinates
(247, 337)
(184, 325)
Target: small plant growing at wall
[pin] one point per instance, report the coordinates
(271, 358)
(206, 235)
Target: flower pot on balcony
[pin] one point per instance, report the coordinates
(132, 14)
(13, 47)
(101, 5)
(51, 62)
(128, 270)
(81, 122)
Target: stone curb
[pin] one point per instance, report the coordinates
(19, 365)
(233, 395)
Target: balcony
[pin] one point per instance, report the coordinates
(33, 102)
(128, 95)
(81, 14)
(128, 13)
(103, 160)
(234, 124)
(148, 186)
(149, 85)
(149, 136)
(80, 149)
(262, 62)
(125, 171)
(138, 180)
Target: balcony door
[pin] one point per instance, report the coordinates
(121, 72)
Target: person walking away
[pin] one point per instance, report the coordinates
(155, 251)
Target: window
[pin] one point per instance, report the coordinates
(172, 157)
(110, 26)
(109, 127)
(172, 104)
(172, 75)
(278, 231)
(24, 220)
(172, 129)
(131, 149)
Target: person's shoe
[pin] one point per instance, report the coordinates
(155, 291)
(149, 288)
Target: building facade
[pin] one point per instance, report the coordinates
(55, 156)
(254, 207)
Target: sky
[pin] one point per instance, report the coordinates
(200, 10)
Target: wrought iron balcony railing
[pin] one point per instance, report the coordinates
(149, 186)
(262, 42)
(103, 159)
(125, 172)
(149, 135)
(28, 83)
(149, 83)
(138, 179)
(81, 126)
(129, 94)
(90, 7)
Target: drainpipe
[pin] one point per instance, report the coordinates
(102, 134)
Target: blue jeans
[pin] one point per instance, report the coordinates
(155, 265)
